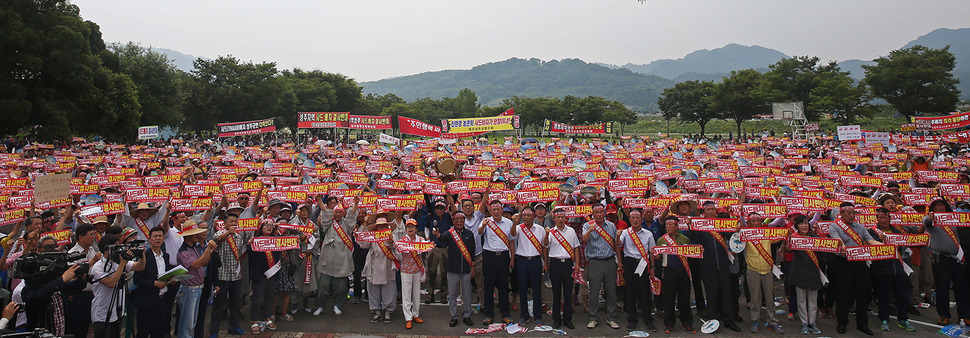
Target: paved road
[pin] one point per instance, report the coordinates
(355, 320)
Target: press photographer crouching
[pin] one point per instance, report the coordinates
(109, 282)
(46, 274)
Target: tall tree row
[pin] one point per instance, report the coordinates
(914, 81)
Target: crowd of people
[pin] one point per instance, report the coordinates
(155, 237)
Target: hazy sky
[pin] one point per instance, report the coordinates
(370, 40)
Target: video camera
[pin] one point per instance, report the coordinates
(43, 267)
(118, 251)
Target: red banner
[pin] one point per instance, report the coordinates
(246, 128)
(814, 244)
(12, 216)
(692, 251)
(62, 236)
(288, 196)
(870, 252)
(907, 239)
(186, 204)
(944, 122)
(951, 219)
(415, 127)
(762, 234)
(248, 186)
(532, 196)
(263, 244)
(714, 224)
(372, 236)
(420, 247)
(147, 195)
(322, 120)
(369, 122)
(102, 209)
(556, 127)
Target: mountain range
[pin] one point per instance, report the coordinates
(636, 85)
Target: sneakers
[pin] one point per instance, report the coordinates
(336, 310)
(884, 325)
(943, 321)
(905, 325)
(318, 311)
(613, 325)
(237, 331)
(755, 327)
(775, 328)
(689, 329)
(487, 321)
(387, 317)
(805, 329)
(814, 328)
(375, 317)
(592, 324)
(294, 311)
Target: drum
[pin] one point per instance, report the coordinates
(445, 165)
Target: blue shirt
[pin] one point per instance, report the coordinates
(597, 247)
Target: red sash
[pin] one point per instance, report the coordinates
(309, 270)
(461, 247)
(234, 247)
(532, 237)
(417, 260)
(343, 236)
(563, 243)
(953, 236)
(606, 236)
(767, 257)
(683, 260)
(639, 245)
(848, 231)
(498, 232)
(390, 255)
(142, 226)
(269, 259)
(720, 239)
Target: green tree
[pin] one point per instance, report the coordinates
(689, 101)
(792, 80)
(915, 80)
(838, 94)
(53, 76)
(737, 97)
(157, 81)
(318, 91)
(227, 90)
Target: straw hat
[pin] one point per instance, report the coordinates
(691, 202)
(887, 196)
(100, 219)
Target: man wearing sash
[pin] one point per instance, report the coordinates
(529, 265)
(676, 279)
(599, 236)
(851, 278)
(715, 267)
(949, 264)
(143, 218)
(760, 279)
(890, 276)
(473, 218)
(460, 243)
(336, 260)
(232, 245)
(497, 260)
(560, 260)
(636, 242)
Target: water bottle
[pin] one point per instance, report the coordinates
(559, 332)
(212, 297)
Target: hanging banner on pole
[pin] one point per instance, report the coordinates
(480, 124)
(556, 127)
(147, 133)
(415, 127)
(323, 120)
(369, 122)
(944, 122)
(246, 128)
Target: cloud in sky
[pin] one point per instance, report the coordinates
(370, 40)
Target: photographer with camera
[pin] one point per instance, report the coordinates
(47, 276)
(78, 308)
(109, 290)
